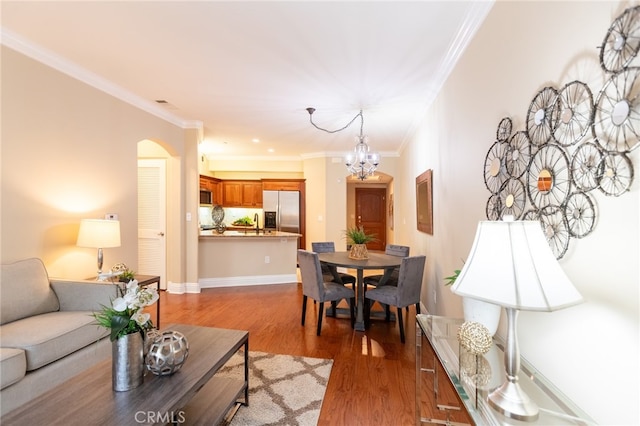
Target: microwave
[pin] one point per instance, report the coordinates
(206, 197)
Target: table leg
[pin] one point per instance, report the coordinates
(158, 306)
(359, 324)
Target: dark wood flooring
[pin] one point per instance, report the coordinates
(373, 376)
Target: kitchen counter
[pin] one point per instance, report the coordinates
(237, 258)
(248, 233)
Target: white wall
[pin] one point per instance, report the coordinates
(590, 351)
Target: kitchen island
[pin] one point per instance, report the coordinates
(246, 257)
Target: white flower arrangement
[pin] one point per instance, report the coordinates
(125, 315)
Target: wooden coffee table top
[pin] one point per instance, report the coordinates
(89, 399)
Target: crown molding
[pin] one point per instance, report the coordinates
(45, 56)
(218, 157)
(473, 20)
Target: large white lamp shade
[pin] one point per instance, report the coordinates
(99, 234)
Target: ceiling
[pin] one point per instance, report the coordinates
(247, 71)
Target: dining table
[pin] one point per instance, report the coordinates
(375, 260)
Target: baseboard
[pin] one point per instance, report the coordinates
(247, 280)
(181, 288)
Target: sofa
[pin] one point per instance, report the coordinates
(47, 330)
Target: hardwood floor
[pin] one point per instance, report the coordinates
(373, 376)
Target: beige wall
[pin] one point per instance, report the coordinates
(590, 351)
(316, 189)
(218, 167)
(69, 152)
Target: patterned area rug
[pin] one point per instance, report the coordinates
(283, 389)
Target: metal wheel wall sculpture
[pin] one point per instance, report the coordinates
(571, 145)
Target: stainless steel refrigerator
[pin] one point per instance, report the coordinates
(281, 210)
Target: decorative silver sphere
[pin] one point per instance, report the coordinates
(167, 353)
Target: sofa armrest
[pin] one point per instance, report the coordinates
(83, 295)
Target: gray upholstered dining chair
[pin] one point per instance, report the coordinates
(330, 273)
(314, 286)
(393, 250)
(406, 293)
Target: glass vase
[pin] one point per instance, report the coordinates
(127, 362)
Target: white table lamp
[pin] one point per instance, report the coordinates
(512, 265)
(99, 233)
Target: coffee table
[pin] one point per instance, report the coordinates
(193, 395)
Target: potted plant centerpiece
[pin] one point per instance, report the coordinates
(358, 239)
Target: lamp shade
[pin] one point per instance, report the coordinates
(99, 233)
(512, 265)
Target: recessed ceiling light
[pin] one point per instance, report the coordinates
(271, 150)
(255, 140)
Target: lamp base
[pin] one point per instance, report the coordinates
(510, 400)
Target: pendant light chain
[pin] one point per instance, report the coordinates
(361, 163)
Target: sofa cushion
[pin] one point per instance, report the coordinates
(48, 337)
(13, 366)
(25, 290)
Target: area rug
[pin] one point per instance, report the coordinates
(283, 389)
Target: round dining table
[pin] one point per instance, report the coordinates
(375, 261)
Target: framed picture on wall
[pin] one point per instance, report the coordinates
(424, 202)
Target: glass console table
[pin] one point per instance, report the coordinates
(452, 385)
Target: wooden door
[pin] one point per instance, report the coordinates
(371, 214)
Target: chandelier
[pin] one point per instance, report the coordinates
(361, 163)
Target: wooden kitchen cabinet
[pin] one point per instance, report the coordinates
(216, 192)
(205, 183)
(283, 184)
(252, 194)
(213, 185)
(231, 194)
(238, 193)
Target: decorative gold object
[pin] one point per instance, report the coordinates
(358, 252)
(475, 369)
(119, 267)
(474, 337)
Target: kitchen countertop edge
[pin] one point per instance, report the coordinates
(248, 234)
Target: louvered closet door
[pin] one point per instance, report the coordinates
(152, 248)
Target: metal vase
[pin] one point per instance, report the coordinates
(127, 362)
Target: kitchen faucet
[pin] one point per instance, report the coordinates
(255, 219)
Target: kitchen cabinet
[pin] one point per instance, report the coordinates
(242, 194)
(283, 184)
(204, 183)
(252, 194)
(231, 194)
(212, 185)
